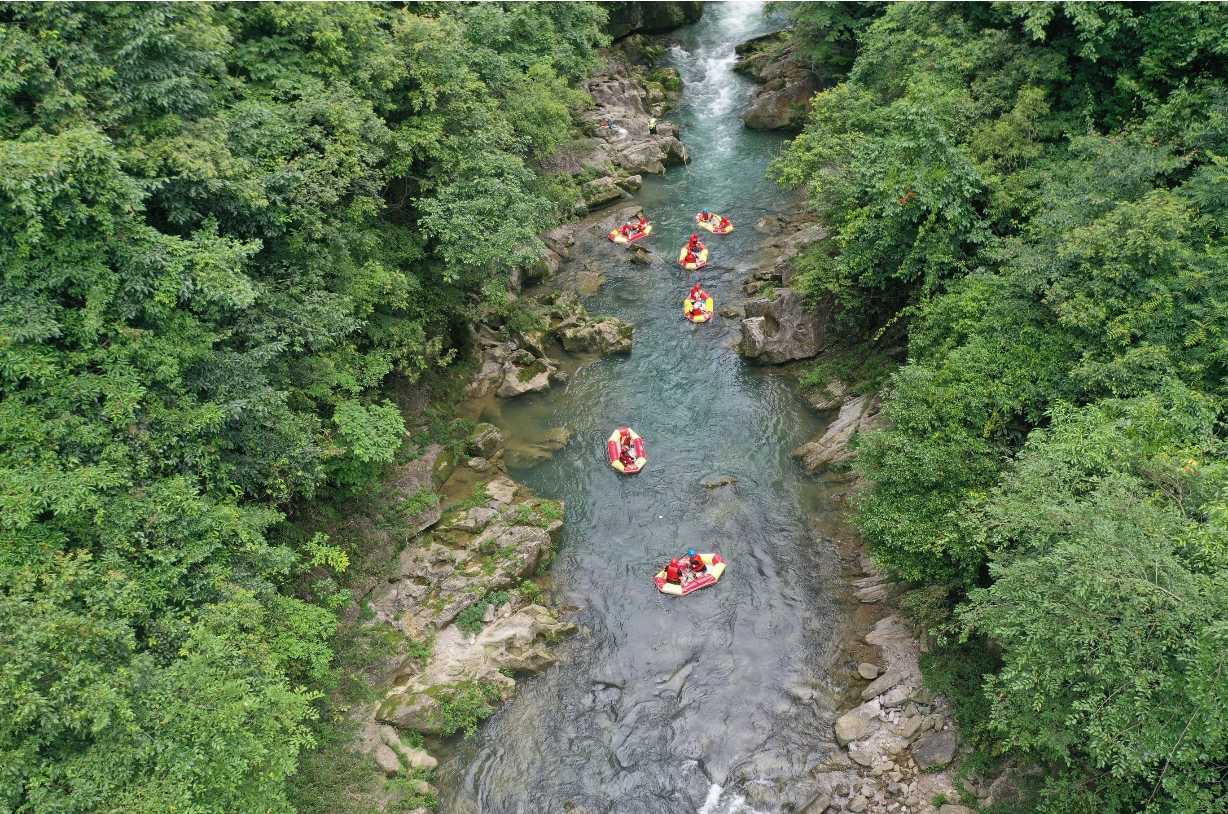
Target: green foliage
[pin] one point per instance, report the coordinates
(540, 513)
(224, 230)
(417, 503)
(861, 370)
(470, 619)
(463, 706)
(530, 591)
(826, 34)
(1036, 194)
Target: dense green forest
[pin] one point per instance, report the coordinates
(1035, 198)
(222, 229)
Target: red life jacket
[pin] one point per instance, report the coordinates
(697, 563)
(672, 574)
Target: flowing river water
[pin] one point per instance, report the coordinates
(719, 702)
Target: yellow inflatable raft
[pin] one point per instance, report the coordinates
(713, 223)
(714, 569)
(617, 236)
(613, 447)
(705, 308)
(702, 254)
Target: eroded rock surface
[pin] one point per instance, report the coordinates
(782, 329)
(857, 414)
(624, 138)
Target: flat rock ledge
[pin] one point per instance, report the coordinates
(515, 363)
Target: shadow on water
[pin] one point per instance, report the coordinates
(667, 705)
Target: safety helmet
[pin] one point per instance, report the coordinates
(690, 552)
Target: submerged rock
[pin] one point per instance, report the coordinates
(783, 329)
(603, 335)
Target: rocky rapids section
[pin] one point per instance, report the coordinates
(786, 83)
(623, 135)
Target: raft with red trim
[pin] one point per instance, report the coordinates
(714, 570)
(702, 254)
(705, 309)
(613, 447)
(713, 223)
(637, 233)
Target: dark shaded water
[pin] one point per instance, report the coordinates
(721, 701)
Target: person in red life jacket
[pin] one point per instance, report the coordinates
(698, 295)
(690, 258)
(673, 572)
(724, 222)
(696, 561)
(643, 222)
(693, 244)
(626, 457)
(625, 229)
(705, 216)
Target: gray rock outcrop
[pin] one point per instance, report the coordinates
(857, 414)
(787, 85)
(650, 18)
(623, 139)
(783, 329)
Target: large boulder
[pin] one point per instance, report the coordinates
(857, 723)
(783, 99)
(601, 191)
(935, 750)
(781, 330)
(782, 104)
(485, 441)
(524, 373)
(857, 414)
(604, 335)
(511, 643)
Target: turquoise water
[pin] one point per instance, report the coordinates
(718, 702)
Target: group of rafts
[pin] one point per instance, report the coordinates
(625, 447)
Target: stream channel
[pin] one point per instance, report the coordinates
(722, 701)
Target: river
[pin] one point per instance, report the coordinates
(720, 702)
